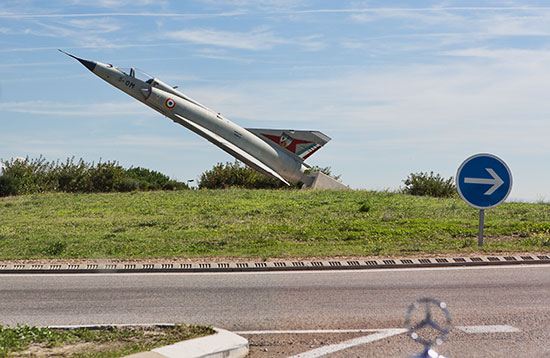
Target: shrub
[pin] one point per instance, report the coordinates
(73, 178)
(424, 184)
(228, 175)
(175, 185)
(30, 176)
(148, 179)
(128, 185)
(24, 176)
(106, 177)
(8, 185)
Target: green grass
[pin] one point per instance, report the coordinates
(25, 341)
(259, 224)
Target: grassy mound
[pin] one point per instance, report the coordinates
(259, 224)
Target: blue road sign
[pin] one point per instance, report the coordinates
(483, 181)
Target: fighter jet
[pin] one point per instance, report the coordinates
(273, 152)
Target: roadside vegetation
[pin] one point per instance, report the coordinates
(259, 224)
(434, 185)
(25, 341)
(30, 176)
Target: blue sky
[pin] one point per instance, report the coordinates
(400, 86)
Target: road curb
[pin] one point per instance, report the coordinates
(223, 344)
(296, 265)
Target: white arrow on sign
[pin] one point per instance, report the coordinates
(496, 182)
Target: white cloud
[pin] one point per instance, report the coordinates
(265, 5)
(153, 14)
(479, 22)
(514, 58)
(353, 44)
(221, 54)
(398, 108)
(535, 24)
(311, 43)
(253, 40)
(77, 110)
(361, 17)
(150, 141)
(121, 4)
(85, 31)
(95, 26)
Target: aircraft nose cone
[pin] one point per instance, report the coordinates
(88, 64)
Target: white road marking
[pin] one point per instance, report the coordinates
(321, 351)
(312, 331)
(488, 329)
(466, 329)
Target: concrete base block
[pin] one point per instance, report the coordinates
(321, 181)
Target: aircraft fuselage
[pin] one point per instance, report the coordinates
(268, 158)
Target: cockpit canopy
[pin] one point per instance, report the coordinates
(155, 82)
(137, 73)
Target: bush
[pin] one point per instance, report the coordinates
(148, 179)
(128, 185)
(153, 180)
(8, 185)
(106, 177)
(175, 185)
(424, 184)
(228, 175)
(73, 178)
(24, 176)
(30, 176)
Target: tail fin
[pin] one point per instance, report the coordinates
(300, 143)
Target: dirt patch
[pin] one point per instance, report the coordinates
(286, 345)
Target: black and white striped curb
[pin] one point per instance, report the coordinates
(298, 265)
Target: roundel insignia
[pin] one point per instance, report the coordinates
(170, 103)
(285, 141)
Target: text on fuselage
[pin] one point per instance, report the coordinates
(128, 83)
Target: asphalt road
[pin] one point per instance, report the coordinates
(518, 296)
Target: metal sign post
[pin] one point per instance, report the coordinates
(481, 225)
(483, 181)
